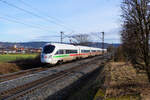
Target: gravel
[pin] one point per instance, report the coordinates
(56, 89)
(6, 85)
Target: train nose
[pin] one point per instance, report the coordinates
(46, 58)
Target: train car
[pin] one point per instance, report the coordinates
(56, 53)
(84, 51)
(97, 51)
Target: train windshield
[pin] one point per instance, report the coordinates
(48, 49)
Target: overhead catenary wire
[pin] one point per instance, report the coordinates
(30, 6)
(14, 21)
(42, 27)
(53, 18)
(19, 22)
(33, 14)
(56, 19)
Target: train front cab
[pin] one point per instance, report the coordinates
(47, 54)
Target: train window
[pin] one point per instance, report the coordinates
(74, 51)
(82, 51)
(60, 52)
(67, 51)
(48, 49)
(93, 50)
(71, 51)
(85, 51)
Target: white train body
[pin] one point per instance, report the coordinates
(53, 52)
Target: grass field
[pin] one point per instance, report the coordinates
(12, 57)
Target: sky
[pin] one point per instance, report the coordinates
(42, 20)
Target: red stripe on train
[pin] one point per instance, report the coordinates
(79, 54)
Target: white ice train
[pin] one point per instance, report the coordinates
(54, 52)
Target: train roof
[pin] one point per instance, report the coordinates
(63, 46)
(66, 46)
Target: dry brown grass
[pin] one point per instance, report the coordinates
(122, 79)
(123, 73)
(6, 68)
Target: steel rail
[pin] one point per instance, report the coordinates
(29, 87)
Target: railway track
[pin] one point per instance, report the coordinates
(27, 72)
(28, 88)
(21, 73)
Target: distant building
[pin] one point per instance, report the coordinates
(16, 49)
(15, 46)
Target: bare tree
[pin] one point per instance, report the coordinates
(136, 32)
(81, 39)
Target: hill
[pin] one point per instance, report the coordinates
(40, 44)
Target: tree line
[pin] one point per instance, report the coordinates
(135, 33)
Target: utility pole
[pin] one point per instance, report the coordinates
(102, 42)
(70, 41)
(61, 37)
(113, 52)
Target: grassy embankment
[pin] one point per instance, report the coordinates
(124, 82)
(13, 57)
(15, 62)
